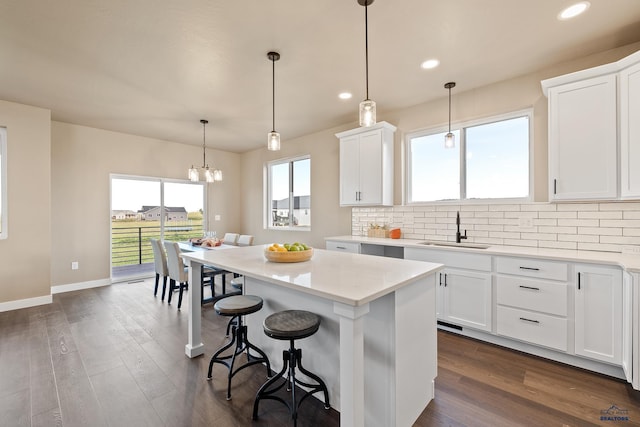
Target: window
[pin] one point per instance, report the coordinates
(3, 183)
(490, 160)
(289, 194)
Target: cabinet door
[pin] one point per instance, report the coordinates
(349, 170)
(598, 308)
(371, 168)
(630, 132)
(467, 298)
(583, 140)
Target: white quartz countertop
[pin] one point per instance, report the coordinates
(352, 279)
(630, 262)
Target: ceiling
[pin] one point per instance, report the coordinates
(156, 67)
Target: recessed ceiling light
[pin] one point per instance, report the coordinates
(429, 64)
(574, 10)
(345, 95)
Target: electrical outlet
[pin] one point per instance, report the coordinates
(525, 223)
(631, 249)
(74, 265)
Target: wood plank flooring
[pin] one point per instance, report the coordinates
(114, 356)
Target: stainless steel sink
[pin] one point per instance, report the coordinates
(455, 245)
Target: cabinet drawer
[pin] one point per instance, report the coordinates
(532, 268)
(534, 328)
(532, 294)
(352, 247)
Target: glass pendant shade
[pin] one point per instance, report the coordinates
(367, 113)
(449, 140)
(217, 175)
(193, 174)
(273, 141)
(208, 174)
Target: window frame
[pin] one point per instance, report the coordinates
(461, 127)
(4, 221)
(268, 223)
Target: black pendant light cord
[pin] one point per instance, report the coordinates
(449, 109)
(366, 45)
(273, 97)
(204, 139)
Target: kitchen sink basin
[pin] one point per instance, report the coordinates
(455, 245)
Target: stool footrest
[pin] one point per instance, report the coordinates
(242, 344)
(291, 358)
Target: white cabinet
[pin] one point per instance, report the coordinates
(366, 166)
(594, 136)
(463, 293)
(630, 131)
(598, 313)
(464, 298)
(351, 247)
(583, 139)
(532, 301)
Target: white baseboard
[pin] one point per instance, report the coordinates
(59, 289)
(25, 303)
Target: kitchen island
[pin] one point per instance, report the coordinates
(376, 348)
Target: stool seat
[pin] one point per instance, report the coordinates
(238, 305)
(291, 324)
(235, 307)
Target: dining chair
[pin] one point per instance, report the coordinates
(160, 263)
(230, 239)
(178, 274)
(245, 240)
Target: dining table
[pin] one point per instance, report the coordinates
(188, 247)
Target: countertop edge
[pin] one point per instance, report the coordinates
(628, 262)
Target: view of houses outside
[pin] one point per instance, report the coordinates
(137, 216)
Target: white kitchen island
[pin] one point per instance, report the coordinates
(376, 348)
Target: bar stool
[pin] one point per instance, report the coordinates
(291, 325)
(235, 307)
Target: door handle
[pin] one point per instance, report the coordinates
(529, 287)
(529, 320)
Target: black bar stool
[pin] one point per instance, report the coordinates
(291, 325)
(236, 307)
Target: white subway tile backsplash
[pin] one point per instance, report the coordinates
(585, 226)
(600, 231)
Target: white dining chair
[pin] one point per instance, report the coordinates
(160, 264)
(230, 239)
(245, 240)
(178, 274)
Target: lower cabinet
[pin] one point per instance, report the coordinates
(351, 247)
(464, 298)
(598, 313)
(463, 293)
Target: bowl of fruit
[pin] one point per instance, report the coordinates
(288, 252)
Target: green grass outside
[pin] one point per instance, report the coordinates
(127, 234)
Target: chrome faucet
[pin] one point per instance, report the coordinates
(459, 237)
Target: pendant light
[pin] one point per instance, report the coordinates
(449, 138)
(367, 107)
(273, 138)
(209, 175)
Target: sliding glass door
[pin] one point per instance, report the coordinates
(150, 208)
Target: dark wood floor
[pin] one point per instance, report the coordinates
(115, 356)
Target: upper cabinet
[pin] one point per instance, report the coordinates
(591, 144)
(366, 166)
(630, 131)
